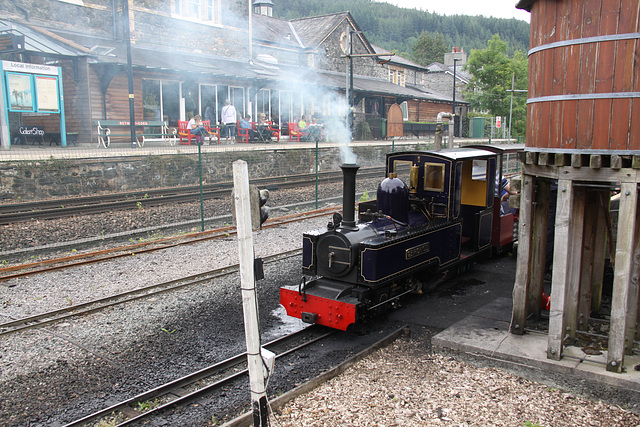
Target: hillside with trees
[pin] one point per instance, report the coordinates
(398, 29)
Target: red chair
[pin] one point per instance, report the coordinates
(213, 131)
(242, 135)
(186, 133)
(275, 131)
(295, 133)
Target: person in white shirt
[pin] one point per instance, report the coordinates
(228, 117)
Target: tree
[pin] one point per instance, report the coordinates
(489, 89)
(429, 48)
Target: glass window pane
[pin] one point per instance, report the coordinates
(151, 100)
(434, 177)
(171, 102)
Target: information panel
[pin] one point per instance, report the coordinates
(20, 92)
(47, 94)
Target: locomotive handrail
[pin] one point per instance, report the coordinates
(302, 287)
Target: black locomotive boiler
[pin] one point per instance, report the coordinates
(433, 211)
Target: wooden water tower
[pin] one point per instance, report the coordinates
(583, 135)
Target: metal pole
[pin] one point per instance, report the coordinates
(316, 173)
(127, 35)
(513, 83)
(201, 198)
(348, 82)
(455, 62)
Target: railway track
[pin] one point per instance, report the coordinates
(29, 269)
(206, 382)
(209, 382)
(53, 316)
(60, 208)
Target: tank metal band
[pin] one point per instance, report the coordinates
(581, 96)
(585, 40)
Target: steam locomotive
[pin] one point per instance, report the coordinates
(434, 211)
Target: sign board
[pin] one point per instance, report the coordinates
(30, 90)
(498, 121)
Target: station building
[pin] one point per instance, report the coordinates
(186, 57)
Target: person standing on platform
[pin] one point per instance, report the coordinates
(228, 117)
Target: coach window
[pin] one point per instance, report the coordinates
(434, 177)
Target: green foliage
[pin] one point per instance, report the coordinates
(148, 405)
(489, 89)
(397, 29)
(364, 197)
(429, 48)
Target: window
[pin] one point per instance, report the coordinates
(209, 101)
(236, 96)
(403, 169)
(262, 102)
(198, 10)
(405, 110)
(434, 177)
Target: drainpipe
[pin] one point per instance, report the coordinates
(437, 142)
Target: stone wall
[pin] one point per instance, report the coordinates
(61, 178)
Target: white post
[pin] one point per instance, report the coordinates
(257, 382)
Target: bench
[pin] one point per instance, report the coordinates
(185, 134)
(104, 131)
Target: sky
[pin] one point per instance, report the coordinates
(495, 8)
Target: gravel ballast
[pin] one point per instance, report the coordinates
(55, 374)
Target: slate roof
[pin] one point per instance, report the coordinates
(38, 40)
(276, 31)
(395, 59)
(438, 67)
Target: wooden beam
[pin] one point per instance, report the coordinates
(624, 302)
(520, 287)
(616, 161)
(595, 161)
(539, 247)
(566, 266)
(602, 207)
(545, 159)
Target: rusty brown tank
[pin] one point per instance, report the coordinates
(584, 74)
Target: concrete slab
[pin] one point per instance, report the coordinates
(486, 333)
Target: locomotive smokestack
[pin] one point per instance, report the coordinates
(349, 194)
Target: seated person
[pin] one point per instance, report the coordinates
(196, 127)
(245, 123)
(315, 130)
(302, 126)
(264, 128)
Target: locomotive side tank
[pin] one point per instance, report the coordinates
(433, 209)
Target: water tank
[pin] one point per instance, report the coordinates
(584, 88)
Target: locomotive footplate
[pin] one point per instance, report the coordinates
(322, 302)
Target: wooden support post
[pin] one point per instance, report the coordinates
(601, 206)
(589, 251)
(520, 287)
(624, 303)
(539, 247)
(255, 362)
(566, 266)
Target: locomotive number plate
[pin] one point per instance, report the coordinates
(418, 250)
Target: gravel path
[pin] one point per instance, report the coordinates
(55, 374)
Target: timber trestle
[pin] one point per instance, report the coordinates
(583, 238)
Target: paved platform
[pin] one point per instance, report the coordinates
(159, 147)
(485, 332)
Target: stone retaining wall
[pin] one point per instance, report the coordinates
(59, 178)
